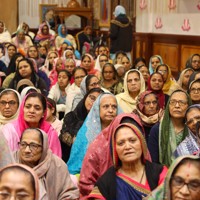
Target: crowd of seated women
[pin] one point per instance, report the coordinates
(84, 126)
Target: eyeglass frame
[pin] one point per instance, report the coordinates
(30, 146)
(10, 103)
(180, 185)
(180, 102)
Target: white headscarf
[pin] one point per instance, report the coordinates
(119, 10)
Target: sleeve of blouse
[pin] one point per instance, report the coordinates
(162, 175)
(153, 143)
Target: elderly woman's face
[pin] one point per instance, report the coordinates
(192, 117)
(17, 184)
(128, 145)
(8, 104)
(195, 92)
(185, 184)
(178, 105)
(108, 108)
(30, 147)
(133, 83)
(33, 111)
(94, 83)
(150, 105)
(21, 36)
(186, 77)
(196, 62)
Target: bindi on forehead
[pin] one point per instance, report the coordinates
(188, 166)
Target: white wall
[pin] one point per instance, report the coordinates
(172, 19)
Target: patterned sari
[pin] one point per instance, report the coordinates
(114, 185)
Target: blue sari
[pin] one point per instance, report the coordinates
(127, 189)
(85, 136)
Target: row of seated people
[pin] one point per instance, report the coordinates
(91, 98)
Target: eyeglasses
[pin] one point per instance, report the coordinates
(195, 90)
(148, 103)
(18, 196)
(193, 120)
(95, 84)
(10, 103)
(162, 71)
(180, 102)
(179, 182)
(79, 77)
(32, 146)
(92, 97)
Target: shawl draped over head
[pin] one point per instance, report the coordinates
(60, 31)
(5, 35)
(98, 158)
(138, 133)
(181, 77)
(86, 134)
(151, 70)
(163, 192)
(147, 120)
(5, 120)
(19, 125)
(30, 171)
(191, 144)
(6, 156)
(92, 70)
(53, 75)
(125, 101)
(167, 135)
(119, 10)
(55, 181)
(40, 36)
(159, 93)
(169, 85)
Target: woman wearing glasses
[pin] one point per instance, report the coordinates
(32, 113)
(9, 105)
(79, 73)
(110, 79)
(171, 131)
(191, 144)
(194, 91)
(182, 181)
(55, 181)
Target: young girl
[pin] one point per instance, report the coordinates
(59, 91)
(51, 115)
